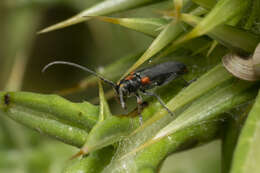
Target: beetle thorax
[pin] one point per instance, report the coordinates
(130, 87)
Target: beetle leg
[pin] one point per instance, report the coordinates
(139, 107)
(117, 97)
(121, 97)
(159, 99)
(187, 83)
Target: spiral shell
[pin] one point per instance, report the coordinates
(256, 61)
(246, 68)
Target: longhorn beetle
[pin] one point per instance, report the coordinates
(139, 81)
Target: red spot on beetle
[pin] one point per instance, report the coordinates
(145, 80)
(130, 77)
(185, 70)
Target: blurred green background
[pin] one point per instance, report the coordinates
(94, 44)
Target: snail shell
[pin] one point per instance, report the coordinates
(256, 60)
(246, 68)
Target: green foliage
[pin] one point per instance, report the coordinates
(95, 162)
(198, 33)
(222, 12)
(50, 114)
(246, 154)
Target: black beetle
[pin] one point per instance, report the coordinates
(139, 81)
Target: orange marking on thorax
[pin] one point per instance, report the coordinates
(185, 70)
(129, 77)
(145, 80)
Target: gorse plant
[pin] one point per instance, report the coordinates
(196, 32)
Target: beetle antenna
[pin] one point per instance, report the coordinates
(80, 67)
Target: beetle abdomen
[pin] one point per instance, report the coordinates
(163, 73)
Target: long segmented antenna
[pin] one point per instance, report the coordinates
(80, 67)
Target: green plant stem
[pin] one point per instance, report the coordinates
(102, 8)
(230, 135)
(93, 163)
(50, 114)
(247, 153)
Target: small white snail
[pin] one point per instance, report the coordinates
(256, 61)
(246, 68)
